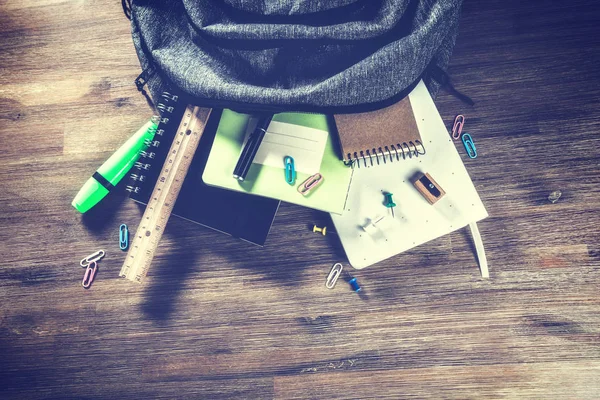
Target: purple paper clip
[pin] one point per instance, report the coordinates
(90, 273)
(457, 128)
(310, 184)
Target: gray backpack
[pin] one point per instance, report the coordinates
(337, 56)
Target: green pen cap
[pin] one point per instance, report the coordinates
(89, 195)
(113, 169)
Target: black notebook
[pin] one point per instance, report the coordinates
(237, 214)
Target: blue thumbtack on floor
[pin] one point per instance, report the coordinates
(352, 282)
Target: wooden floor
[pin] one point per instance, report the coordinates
(219, 318)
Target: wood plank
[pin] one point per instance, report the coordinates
(219, 318)
(551, 379)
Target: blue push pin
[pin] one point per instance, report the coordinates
(352, 282)
(389, 203)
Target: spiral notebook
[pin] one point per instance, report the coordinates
(375, 137)
(242, 216)
(368, 231)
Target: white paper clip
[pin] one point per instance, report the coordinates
(91, 258)
(310, 184)
(333, 276)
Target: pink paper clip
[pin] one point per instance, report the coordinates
(90, 273)
(459, 122)
(311, 183)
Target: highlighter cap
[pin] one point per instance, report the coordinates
(89, 195)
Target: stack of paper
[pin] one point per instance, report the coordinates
(355, 197)
(305, 137)
(416, 221)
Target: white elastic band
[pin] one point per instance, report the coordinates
(483, 265)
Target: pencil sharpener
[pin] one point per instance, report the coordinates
(429, 188)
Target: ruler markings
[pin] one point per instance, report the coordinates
(159, 208)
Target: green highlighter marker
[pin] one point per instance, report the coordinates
(115, 168)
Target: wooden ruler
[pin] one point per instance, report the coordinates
(159, 208)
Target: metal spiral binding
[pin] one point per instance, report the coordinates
(152, 143)
(141, 165)
(132, 189)
(386, 153)
(166, 107)
(139, 178)
(168, 97)
(147, 154)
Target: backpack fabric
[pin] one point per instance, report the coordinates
(293, 55)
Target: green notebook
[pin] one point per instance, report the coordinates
(305, 137)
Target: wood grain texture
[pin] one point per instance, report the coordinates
(219, 319)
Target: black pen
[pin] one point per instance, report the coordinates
(251, 148)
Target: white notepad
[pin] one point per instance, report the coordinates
(305, 145)
(416, 221)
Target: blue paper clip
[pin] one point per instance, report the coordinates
(290, 170)
(469, 145)
(123, 237)
(310, 184)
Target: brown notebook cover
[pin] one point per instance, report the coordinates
(389, 132)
